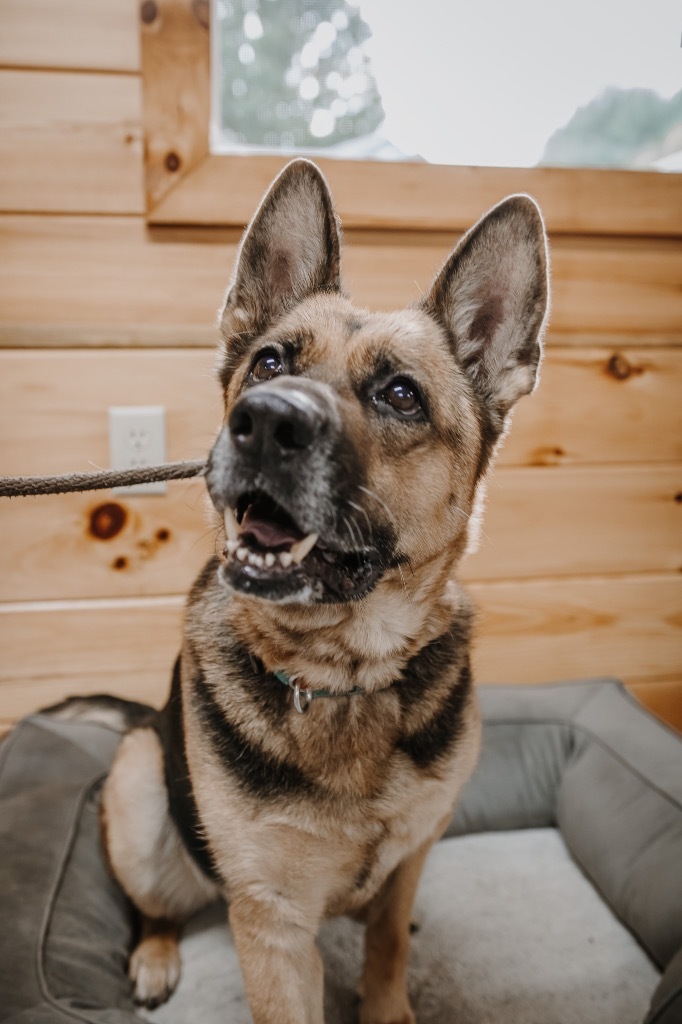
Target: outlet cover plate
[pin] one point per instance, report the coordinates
(137, 438)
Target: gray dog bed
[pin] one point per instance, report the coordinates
(555, 897)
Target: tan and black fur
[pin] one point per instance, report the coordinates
(372, 432)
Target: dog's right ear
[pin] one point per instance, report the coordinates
(290, 249)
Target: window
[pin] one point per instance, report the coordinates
(511, 83)
(189, 183)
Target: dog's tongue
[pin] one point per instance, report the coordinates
(267, 531)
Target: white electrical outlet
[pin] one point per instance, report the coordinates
(137, 437)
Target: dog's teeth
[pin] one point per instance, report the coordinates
(300, 550)
(231, 546)
(231, 525)
(285, 558)
(270, 559)
(242, 554)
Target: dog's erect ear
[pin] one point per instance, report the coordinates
(492, 295)
(290, 249)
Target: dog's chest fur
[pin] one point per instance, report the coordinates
(329, 802)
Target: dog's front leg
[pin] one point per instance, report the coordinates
(281, 965)
(387, 944)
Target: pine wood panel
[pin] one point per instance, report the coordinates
(70, 142)
(663, 698)
(600, 405)
(593, 406)
(591, 520)
(148, 335)
(76, 34)
(111, 274)
(54, 404)
(536, 631)
(55, 650)
(541, 522)
(533, 631)
(101, 545)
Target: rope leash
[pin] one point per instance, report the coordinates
(30, 486)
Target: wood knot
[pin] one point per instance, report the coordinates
(107, 520)
(172, 162)
(547, 456)
(678, 499)
(148, 12)
(619, 367)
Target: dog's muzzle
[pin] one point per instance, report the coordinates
(282, 475)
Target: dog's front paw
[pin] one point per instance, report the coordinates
(154, 970)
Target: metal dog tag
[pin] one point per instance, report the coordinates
(301, 708)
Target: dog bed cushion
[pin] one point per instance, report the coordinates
(580, 757)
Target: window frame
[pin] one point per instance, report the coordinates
(186, 184)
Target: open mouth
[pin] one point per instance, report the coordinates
(270, 556)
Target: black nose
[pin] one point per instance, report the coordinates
(267, 422)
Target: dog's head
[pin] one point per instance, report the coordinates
(353, 442)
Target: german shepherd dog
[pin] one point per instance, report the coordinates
(322, 721)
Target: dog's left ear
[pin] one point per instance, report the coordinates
(492, 296)
(290, 249)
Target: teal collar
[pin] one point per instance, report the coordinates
(307, 694)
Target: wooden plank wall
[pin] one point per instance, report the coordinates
(578, 569)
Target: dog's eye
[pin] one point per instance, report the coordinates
(403, 397)
(267, 365)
